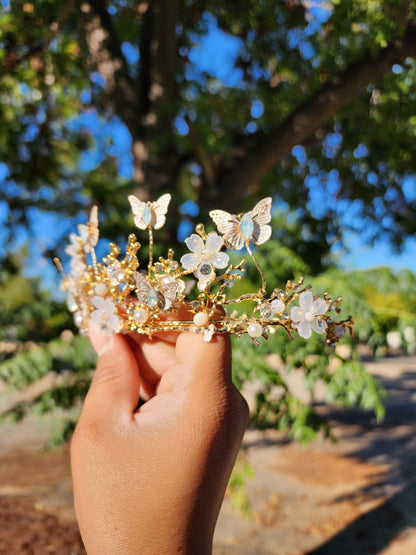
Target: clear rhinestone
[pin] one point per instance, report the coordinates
(116, 276)
(266, 311)
(205, 269)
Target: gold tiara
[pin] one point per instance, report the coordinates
(119, 298)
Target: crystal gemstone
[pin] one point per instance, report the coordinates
(152, 297)
(247, 226)
(147, 215)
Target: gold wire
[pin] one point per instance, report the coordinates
(150, 250)
(263, 279)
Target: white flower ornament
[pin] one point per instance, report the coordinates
(89, 232)
(74, 249)
(203, 258)
(307, 314)
(105, 316)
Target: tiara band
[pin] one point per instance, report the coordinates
(119, 298)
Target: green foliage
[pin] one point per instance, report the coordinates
(237, 485)
(351, 386)
(348, 385)
(380, 300)
(52, 71)
(43, 365)
(34, 361)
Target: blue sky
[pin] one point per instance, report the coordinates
(381, 254)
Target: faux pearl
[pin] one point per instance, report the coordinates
(255, 330)
(140, 315)
(201, 319)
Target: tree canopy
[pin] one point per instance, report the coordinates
(317, 110)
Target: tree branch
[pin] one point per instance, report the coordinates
(107, 56)
(159, 62)
(34, 391)
(312, 114)
(158, 94)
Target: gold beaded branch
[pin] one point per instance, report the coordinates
(118, 297)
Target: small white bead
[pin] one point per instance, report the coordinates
(78, 319)
(255, 330)
(201, 319)
(140, 315)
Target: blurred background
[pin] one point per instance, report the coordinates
(311, 102)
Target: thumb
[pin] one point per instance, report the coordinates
(115, 385)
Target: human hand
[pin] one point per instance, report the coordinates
(152, 481)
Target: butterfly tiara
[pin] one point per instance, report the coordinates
(118, 297)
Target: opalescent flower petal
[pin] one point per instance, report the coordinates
(304, 329)
(296, 314)
(195, 243)
(213, 242)
(305, 300)
(220, 260)
(99, 302)
(319, 325)
(190, 261)
(320, 306)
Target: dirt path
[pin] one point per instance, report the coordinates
(355, 497)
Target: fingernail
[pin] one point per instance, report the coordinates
(100, 342)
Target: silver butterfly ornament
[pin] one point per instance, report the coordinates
(149, 214)
(243, 229)
(160, 293)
